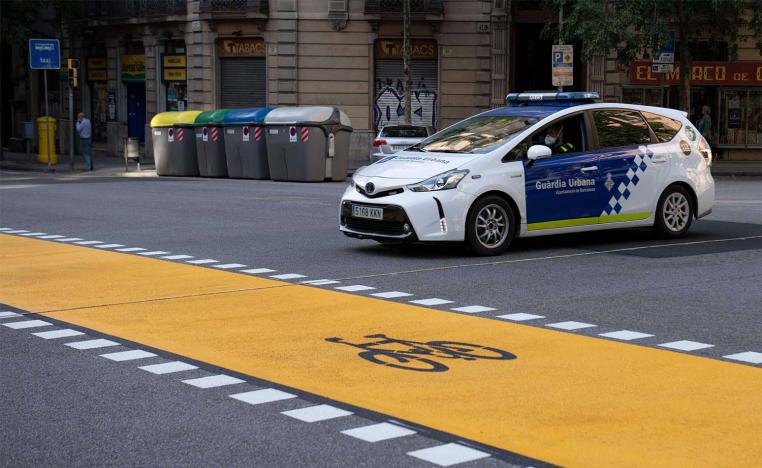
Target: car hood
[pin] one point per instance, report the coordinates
(413, 165)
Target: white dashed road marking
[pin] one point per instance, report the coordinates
(685, 345)
(27, 324)
(378, 432)
(69, 239)
(131, 249)
(177, 257)
(474, 309)
(34, 234)
(130, 355)
(52, 236)
(748, 356)
(571, 325)
(520, 317)
(109, 246)
(92, 344)
(317, 413)
(153, 252)
(17, 231)
(267, 395)
(203, 262)
(257, 271)
(355, 288)
(288, 276)
(228, 266)
(9, 314)
(213, 381)
(65, 333)
(168, 367)
(432, 301)
(391, 294)
(448, 454)
(626, 335)
(321, 282)
(88, 242)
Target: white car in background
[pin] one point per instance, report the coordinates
(548, 163)
(397, 138)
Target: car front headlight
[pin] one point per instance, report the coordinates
(444, 181)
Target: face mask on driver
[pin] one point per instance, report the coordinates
(550, 140)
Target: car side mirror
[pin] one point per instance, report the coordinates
(386, 149)
(538, 152)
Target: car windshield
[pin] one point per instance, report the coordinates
(404, 132)
(478, 134)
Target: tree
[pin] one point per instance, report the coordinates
(634, 28)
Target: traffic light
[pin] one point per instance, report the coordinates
(73, 66)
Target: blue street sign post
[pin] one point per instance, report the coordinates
(45, 54)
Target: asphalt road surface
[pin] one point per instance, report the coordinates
(613, 347)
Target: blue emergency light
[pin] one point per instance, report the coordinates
(552, 99)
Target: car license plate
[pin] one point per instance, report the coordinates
(367, 212)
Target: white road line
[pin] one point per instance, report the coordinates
(168, 367)
(228, 266)
(520, 317)
(65, 333)
(6, 229)
(432, 301)
(88, 242)
(378, 432)
(8, 314)
(748, 356)
(570, 325)
(153, 252)
(69, 239)
(355, 288)
(18, 186)
(287, 276)
(317, 413)
(391, 294)
(16, 231)
(27, 324)
(204, 261)
(626, 335)
(52, 236)
(177, 257)
(131, 249)
(92, 344)
(130, 355)
(34, 234)
(213, 381)
(257, 271)
(108, 246)
(686, 345)
(266, 395)
(320, 282)
(474, 309)
(448, 454)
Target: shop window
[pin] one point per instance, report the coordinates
(644, 95)
(620, 128)
(664, 127)
(741, 117)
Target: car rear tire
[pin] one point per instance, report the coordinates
(674, 213)
(491, 226)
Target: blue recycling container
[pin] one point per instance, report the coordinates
(245, 143)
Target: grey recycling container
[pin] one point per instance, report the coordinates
(174, 148)
(245, 143)
(308, 144)
(210, 144)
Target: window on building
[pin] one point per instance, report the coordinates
(664, 127)
(644, 95)
(740, 122)
(621, 128)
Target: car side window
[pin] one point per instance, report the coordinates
(568, 134)
(664, 128)
(620, 128)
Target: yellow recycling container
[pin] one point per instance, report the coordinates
(46, 131)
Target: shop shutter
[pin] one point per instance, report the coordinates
(243, 82)
(389, 97)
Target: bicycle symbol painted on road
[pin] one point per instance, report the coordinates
(421, 356)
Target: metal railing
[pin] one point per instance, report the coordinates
(230, 6)
(428, 7)
(113, 9)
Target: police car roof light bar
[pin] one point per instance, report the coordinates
(552, 98)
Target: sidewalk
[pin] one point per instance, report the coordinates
(104, 166)
(737, 168)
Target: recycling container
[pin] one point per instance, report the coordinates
(308, 144)
(174, 151)
(210, 144)
(46, 131)
(245, 143)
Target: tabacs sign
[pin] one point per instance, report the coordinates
(420, 49)
(241, 47)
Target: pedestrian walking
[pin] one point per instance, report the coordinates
(705, 123)
(85, 130)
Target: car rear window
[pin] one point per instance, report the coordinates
(664, 127)
(621, 128)
(404, 132)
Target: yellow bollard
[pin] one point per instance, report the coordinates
(46, 131)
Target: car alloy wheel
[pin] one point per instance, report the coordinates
(492, 226)
(676, 212)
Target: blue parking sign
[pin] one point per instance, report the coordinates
(44, 54)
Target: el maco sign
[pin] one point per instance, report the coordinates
(702, 73)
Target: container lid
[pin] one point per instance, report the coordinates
(168, 119)
(311, 115)
(211, 117)
(253, 115)
(46, 118)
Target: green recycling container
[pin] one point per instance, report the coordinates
(210, 143)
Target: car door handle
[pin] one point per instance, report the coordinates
(590, 169)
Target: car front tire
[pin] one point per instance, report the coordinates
(674, 213)
(491, 226)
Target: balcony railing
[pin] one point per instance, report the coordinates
(235, 6)
(114, 9)
(426, 7)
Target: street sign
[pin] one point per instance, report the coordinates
(666, 53)
(563, 65)
(44, 54)
(662, 68)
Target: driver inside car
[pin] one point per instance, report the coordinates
(554, 139)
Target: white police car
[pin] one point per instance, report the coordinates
(548, 163)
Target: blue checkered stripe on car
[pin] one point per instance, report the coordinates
(625, 188)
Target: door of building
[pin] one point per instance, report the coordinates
(136, 110)
(243, 82)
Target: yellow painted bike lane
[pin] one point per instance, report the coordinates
(566, 399)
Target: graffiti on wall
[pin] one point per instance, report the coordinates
(389, 104)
